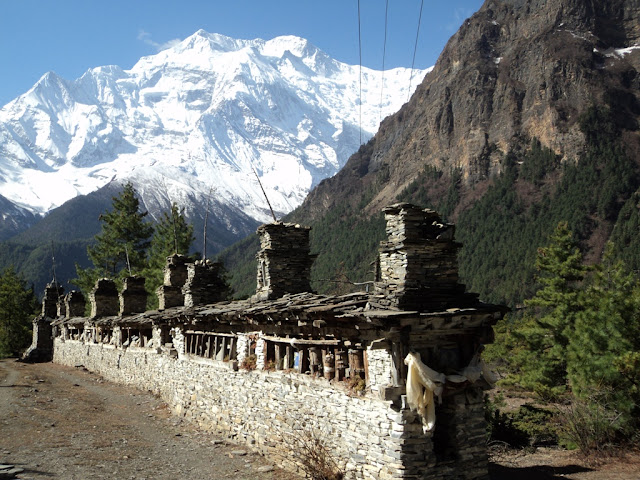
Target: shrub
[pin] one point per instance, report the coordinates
(529, 425)
(249, 362)
(314, 457)
(591, 424)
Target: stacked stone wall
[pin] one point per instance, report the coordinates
(370, 437)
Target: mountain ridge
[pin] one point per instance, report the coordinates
(207, 110)
(529, 117)
(189, 125)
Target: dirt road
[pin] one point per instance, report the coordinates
(65, 423)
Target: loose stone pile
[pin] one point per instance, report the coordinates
(8, 471)
(284, 261)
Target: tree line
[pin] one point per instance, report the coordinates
(127, 245)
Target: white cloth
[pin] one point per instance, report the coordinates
(424, 384)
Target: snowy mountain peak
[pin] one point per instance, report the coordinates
(192, 119)
(215, 42)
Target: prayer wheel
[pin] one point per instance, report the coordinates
(314, 360)
(342, 360)
(356, 363)
(328, 368)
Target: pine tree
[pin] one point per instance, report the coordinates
(120, 248)
(543, 335)
(172, 235)
(603, 363)
(18, 306)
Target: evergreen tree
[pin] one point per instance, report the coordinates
(122, 244)
(18, 306)
(539, 340)
(172, 235)
(625, 233)
(603, 363)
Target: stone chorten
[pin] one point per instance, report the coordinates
(133, 297)
(53, 293)
(75, 304)
(104, 299)
(418, 264)
(175, 276)
(284, 261)
(41, 349)
(205, 283)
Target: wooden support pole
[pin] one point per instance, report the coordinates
(278, 356)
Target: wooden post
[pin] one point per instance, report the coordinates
(232, 348)
(301, 360)
(365, 361)
(216, 347)
(289, 357)
(278, 356)
(398, 362)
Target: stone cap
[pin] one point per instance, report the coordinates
(175, 270)
(409, 223)
(283, 237)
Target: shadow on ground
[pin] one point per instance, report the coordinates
(538, 472)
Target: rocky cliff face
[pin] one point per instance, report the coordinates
(516, 70)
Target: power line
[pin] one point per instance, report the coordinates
(415, 48)
(360, 56)
(384, 52)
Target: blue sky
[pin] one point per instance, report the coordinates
(71, 36)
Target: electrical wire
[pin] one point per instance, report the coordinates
(360, 56)
(384, 52)
(415, 48)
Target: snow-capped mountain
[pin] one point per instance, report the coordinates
(193, 123)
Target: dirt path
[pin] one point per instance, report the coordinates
(556, 464)
(65, 423)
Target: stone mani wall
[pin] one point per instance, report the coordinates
(259, 408)
(265, 370)
(370, 437)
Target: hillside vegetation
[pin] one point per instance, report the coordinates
(501, 221)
